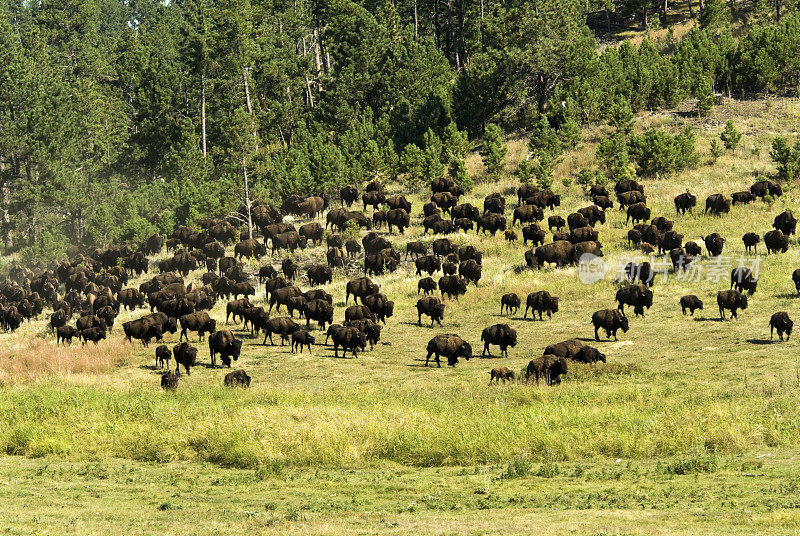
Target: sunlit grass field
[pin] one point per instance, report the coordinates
(312, 427)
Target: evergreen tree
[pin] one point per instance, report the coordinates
(494, 150)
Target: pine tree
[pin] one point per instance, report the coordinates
(494, 150)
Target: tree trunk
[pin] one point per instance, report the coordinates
(203, 111)
(416, 20)
(247, 203)
(5, 215)
(247, 100)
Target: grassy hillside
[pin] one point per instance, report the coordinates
(692, 394)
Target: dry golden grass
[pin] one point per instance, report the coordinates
(30, 358)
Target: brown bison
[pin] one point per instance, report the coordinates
(611, 320)
(430, 306)
(548, 368)
(500, 373)
(450, 346)
(237, 378)
(692, 303)
(730, 299)
(509, 303)
(781, 322)
(501, 335)
(541, 302)
(226, 345)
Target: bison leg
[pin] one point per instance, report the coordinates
(596, 336)
(722, 312)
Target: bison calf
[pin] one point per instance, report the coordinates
(510, 303)
(500, 373)
(237, 378)
(692, 303)
(163, 355)
(302, 338)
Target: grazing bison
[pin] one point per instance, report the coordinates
(634, 237)
(765, 188)
(781, 322)
(611, 320)
(582, 234)
(641, 272)
(131, 298)
(776, 242)
(302, 338)
(751, 241)
(399, 218)
(250, 248)
(426, 285)
(226, 345)
(533, 233)
(785, 222)
(163, 355)
(283, 326)
(490, 222)
(603, 201)
(566, 349)
(629, 198)
(501, 335)
(319, 274)
(717, 204)
(238, 307)
(169, 381)
(558, 253)
(637, 296)
(548, 367)
(526, 214)
(416, 249)
(730, 299)
(429, 264)
(494, 203)
(430, 306)
(510, 303)
(374, 199)
(692, 303)
(693, 249)
(95, 334)
(318, 310)
(370, 329)
(283, 296)
(588, 354)
(186, 355)
(237, 378)
(349, 338)
(470, 270)
(66, 334)
(360, 288)
(357, 312)
(450, 346)
(500, 373)
(743, 279)
(638, 212)
(593, 214)
(555, 222)
(670, 240)
(453, 286)
(198, 321)
(289, 268)
(442, 247)
(742, 198)
(541, 302)
(380, 306)
(714, 244)
(576, 220)
(445, 201)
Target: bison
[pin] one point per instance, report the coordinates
(611, 320)
(732, 300)
(450, 346)
(501, 335)
(226, 345)
(541, 302)
(510, 303)
(548, 367)
(692, 303)
(500, 373)
(781, 322)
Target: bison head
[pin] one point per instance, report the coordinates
(235, 348)
(741, 302)
(623, 323)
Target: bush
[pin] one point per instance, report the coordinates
(657, 152)
(716, 150)
(614, 156)
(588, 177)
(695, 465)
(730, 136)
(517, 468)
(786, 158)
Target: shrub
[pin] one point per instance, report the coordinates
(613, 154)
(517, 468)
(730, 136)
(786, 158)
(656, 151)
(716, 150)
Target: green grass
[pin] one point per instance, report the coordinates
(681, 399)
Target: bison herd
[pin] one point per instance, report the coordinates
(92, 287)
